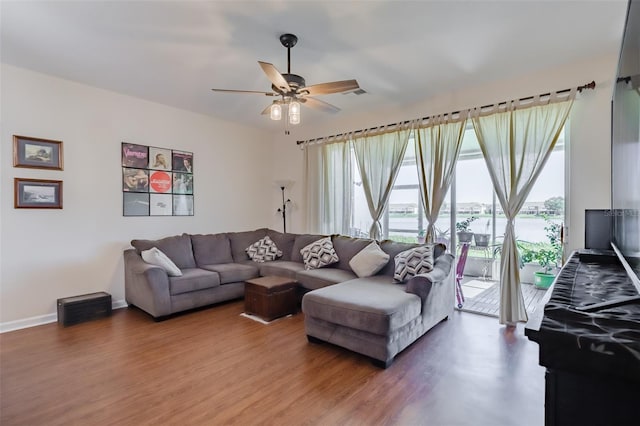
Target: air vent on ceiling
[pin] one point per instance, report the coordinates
(356, 92)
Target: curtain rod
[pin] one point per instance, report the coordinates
(591, 85)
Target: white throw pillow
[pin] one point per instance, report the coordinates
(263, 250)
(318, 254)
(155, 257)
(413, 262)
(369, 260)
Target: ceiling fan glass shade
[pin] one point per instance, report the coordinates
(294, 113)
(276, 112)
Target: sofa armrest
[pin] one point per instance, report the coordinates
(421, 284)
(146, 286)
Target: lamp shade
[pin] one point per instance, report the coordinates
(276, 112)
(283, 183)
(294, 113)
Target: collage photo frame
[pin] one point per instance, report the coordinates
(156, 181)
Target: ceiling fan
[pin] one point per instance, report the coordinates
(292, 91)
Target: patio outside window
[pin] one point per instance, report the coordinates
(473, 196)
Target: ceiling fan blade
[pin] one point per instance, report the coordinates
(328, 88)
(267, 110)
(245, 91)
(319, 105)
(274, 76)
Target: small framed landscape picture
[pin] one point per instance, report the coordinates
(37, 153)
(37, 194)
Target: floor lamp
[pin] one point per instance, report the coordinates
(284, 184)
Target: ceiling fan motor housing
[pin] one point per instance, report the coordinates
(295, 82)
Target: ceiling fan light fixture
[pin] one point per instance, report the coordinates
(292, 90)
(276, 112)
(294, 113)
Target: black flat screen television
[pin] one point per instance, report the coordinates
(625, 149)
(598, 226)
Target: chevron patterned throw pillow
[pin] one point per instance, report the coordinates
(318, 254)
(413, 262)
(263, 250)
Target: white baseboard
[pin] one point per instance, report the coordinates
(118, 304)
(44, 319)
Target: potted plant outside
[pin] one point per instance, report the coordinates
(482, 240)
(465, 235)
(547, 257)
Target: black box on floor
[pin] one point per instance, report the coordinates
(77, 309)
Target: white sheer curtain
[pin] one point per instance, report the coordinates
(329, 184)
(379, 155)
(312, 167)
(437, 145)
(516, 141)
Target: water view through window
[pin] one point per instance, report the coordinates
(474, 197)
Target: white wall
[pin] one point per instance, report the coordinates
(589, 151)
(48, 254)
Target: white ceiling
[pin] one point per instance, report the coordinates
(399, 51)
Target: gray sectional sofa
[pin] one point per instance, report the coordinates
(373, 316)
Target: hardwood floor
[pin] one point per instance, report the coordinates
(214, 367)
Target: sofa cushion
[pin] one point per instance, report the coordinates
(303, 240)
(283, 241)
(318, 254)
(369, 260)
(392, 248)
(281, 268)
(346, 248)
(368, 304)
(193, 279)
(154, 256)
(412, 262)
(233, 272)
(318, 278)
(211, 248)
(263, 250)
(241, 240)
(177, 248)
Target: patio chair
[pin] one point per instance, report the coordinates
(462, 260)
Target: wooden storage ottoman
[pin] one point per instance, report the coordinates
(270, 297)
